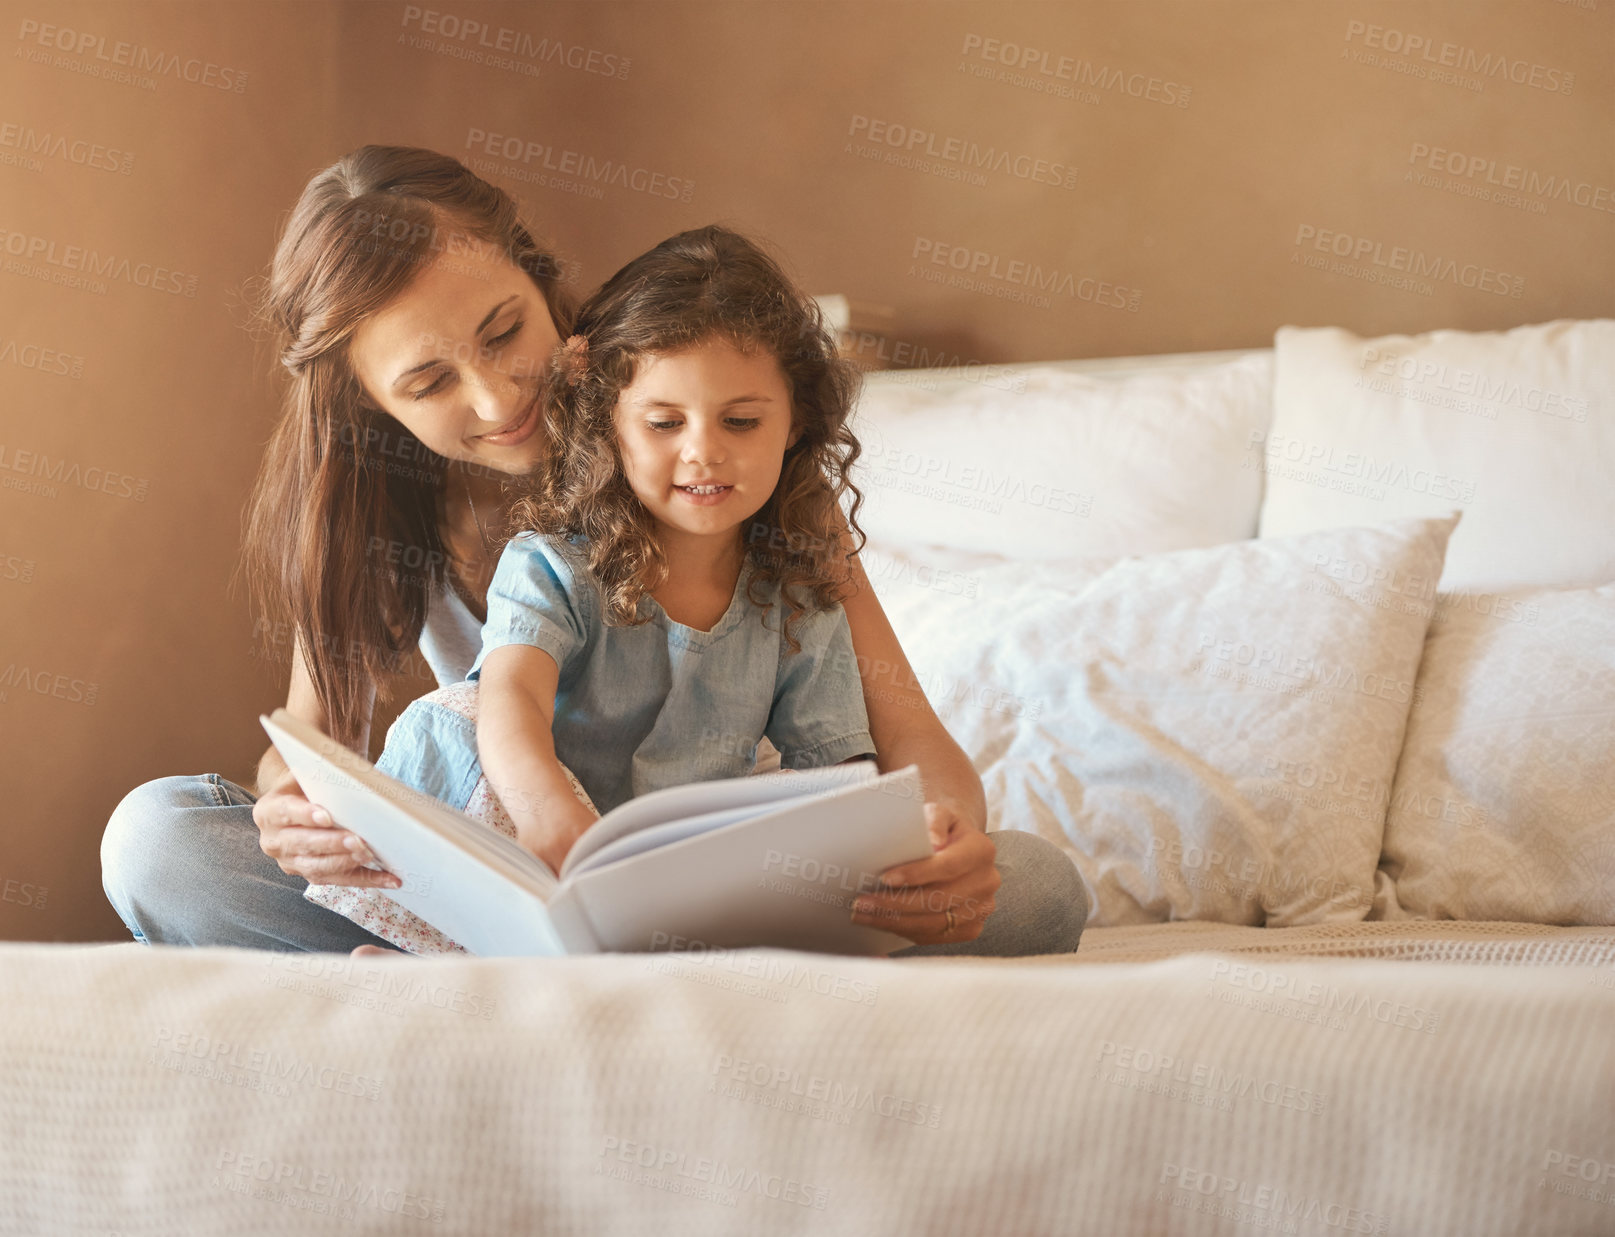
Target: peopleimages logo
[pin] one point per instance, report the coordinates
(1271, 451)
(815, 1089)
(1415, 263)
(1427, 58)
(1250, 878)
(47, 683)
(1264, 1204)
(971, 266)
(88, 52)
(29, 141)
(1022, 59)
(63, 471)
(46, 256)
(1205, 1076)
(481, 41)
(1325, 998)
(722, 1175)
(44, 360)
(1471, 382)
(285, 1182)
(910, 140)
(544, 164)
(1510, 176)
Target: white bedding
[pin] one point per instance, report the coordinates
(1410, 1077)
(226, 1091)
(1498, 944)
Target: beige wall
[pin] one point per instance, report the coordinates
(1200, 152)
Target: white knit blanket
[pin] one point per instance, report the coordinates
(1504, 944)
(155, 1090)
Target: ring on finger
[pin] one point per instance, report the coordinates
(948, 931)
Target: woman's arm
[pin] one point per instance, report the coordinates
(905, 728)
(945, 898)
(302, 838)
(516, 741)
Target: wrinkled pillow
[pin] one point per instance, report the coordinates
(1504, 802)
(1210, 733)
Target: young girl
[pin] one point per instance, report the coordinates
(685, 602)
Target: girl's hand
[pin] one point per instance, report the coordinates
(306, 842)
(916, 897)
(562, 828)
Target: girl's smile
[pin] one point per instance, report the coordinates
(706, 495)
(702, 433)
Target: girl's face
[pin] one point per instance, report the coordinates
(703, 434)
(458, 357)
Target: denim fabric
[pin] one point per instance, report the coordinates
(638, 708)
(182, 865)
(433, 749)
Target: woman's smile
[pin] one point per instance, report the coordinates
(518, 433)
(458, 357)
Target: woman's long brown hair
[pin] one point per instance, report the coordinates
(340, 476)
(703, 284)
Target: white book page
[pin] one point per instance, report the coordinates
(676, 803)
(784, 877)
(653, 836)
(349, 786)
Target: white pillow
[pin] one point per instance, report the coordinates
(1037, 462)
(1516, 427)
(1209, 733)
(1504, 803)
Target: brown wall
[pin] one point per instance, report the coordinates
(1218, 144)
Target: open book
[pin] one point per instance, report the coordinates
(769, 859)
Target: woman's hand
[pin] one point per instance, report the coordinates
(561, 828)
(915, 898)
(306, 842)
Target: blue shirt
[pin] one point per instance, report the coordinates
(659, 704)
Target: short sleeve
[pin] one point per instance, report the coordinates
(433, 749)
(539, 597)
(818, 717)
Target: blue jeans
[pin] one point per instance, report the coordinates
(181, 864)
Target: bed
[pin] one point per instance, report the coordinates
(1167, 1078)
(1304, 656)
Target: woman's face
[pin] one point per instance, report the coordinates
(459, 358)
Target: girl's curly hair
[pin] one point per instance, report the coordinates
(700, 285)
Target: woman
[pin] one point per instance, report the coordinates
(416, 316)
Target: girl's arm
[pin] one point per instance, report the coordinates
(516, 741)
(905, 728)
